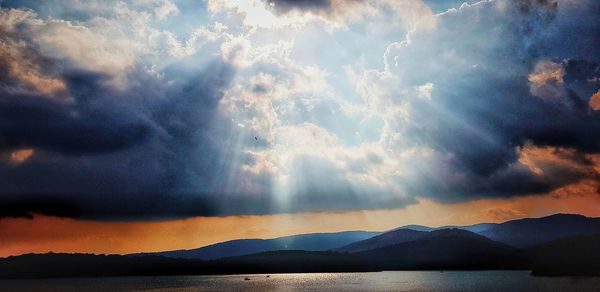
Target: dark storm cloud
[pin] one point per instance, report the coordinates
(151, 149)
(285, 6)
(136, 158)
(478, 118)
(528, 6)
(102, 158)
(99, 206)
(46, 105)
(509, 181)
(67, 129)
(27, 209)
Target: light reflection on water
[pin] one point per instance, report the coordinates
(383, 281)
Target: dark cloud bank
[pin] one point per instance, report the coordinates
(492, 98)
(155, 152)
(285, 6)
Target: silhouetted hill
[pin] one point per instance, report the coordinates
(400, 249)
(445, 249)
(532, 231)
(60, 265)
(529, 231)
(518, 233)
(52, 265)
(574, 256)
(382, 240)
(307, 242)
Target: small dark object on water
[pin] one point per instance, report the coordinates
(255, 138)
(246, 279)
(268, 276)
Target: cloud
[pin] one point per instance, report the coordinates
(530, 6)
(261, 107)
(144, 130)
(501, 214)
(547, 80)
(68, 129)
(99, 45)
(595, 101)
(337, 14)
(20, 156)
(21, 75)
(157, 157)
(165, 9)
(483, 110)
(285, 6)
(27, 209)
(425, 91)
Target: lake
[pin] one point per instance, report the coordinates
(381, 281)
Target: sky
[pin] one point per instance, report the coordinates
(148, 125)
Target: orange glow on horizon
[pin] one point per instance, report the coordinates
(44, 234)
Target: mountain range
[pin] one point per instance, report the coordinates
(560, 244)
(520, 233)
(307, 242)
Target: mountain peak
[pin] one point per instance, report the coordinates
(565, 215)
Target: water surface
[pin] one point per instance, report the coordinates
(382, 281)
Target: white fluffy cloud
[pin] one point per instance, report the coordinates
(337, 14)
(113, 43)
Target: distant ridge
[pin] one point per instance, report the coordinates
(307, 242)
(533, 231)
(520, 233)
(383, 240)
(445, 249)
(473, 228)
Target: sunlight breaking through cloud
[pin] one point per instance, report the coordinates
(159, 109)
